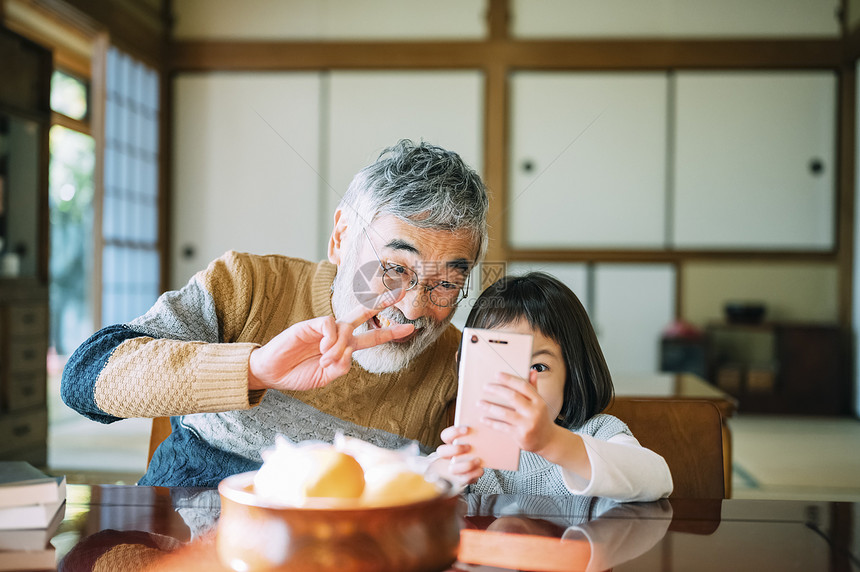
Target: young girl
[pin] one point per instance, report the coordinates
(568, 445)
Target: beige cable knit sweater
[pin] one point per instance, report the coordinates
(188, 357)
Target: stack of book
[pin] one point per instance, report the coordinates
(32, 505)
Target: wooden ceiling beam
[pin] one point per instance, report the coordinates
(266, 55)
(555, 54)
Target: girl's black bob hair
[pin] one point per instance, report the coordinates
(554, 310)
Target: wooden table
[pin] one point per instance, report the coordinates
(673, 386)
(138, 528)
(682, 386)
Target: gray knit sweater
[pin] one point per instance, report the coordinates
(536, 475)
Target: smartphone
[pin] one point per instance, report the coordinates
(483, 354)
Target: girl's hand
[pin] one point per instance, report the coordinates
(313, 353)
(513, 405)
(454, 461)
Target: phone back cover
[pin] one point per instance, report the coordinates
(480, 362)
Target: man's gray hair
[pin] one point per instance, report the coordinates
(424, 185)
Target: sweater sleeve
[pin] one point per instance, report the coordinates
(176, 359)
(623, 470)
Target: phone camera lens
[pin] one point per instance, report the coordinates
(474, 339)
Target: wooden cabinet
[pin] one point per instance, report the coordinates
(23, 370)
(755, 165)
(24, 121)
(786, 368)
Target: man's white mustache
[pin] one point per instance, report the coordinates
(395, 316)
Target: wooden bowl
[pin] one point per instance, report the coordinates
(255, 535)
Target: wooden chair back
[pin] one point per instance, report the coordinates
(687, 433)
(160, 431)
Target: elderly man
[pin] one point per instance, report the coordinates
(360, 344)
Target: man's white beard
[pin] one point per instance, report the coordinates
(390, 356)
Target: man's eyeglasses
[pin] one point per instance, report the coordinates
(396, 276)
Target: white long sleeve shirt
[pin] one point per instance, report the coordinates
(621, 469)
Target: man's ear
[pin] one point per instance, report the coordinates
(336, 241)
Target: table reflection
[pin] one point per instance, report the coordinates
(128, 528)
(133, 528)
(558, 533)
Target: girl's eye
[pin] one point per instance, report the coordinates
(540, 367)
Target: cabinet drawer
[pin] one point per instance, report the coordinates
(23, 429)
(36, 455)
(28, 320)
(27, 356)
(25, 389)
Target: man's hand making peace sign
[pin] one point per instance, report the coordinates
(313, 353)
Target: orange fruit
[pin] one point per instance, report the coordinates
(333, 474)
(397, 488)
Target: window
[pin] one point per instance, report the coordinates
(124, 243)
(69, 96)
(130, 264)
(104, 263)
(71, 193)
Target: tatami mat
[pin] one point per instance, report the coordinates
(90, 452)
(813, 458)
